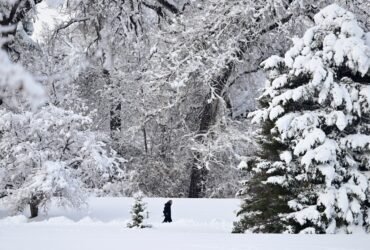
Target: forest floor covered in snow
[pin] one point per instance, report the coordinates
(203, 224)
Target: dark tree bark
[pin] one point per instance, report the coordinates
(34, 209)
(115, 119)
(145, 140)
(34, 205)
(198, 178)
(172, 8)
(198, 175)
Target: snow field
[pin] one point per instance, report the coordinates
(198, 224)
(213, 214)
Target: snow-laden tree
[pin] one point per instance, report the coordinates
(138, 212)
(312, 174)
(109, 46)
(49, 153)
(52, 153)
(159, 72)
(16, 84)
(212, 44)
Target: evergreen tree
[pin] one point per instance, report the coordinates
(138, 212)
(312, 173)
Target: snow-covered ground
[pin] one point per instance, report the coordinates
(198, 225)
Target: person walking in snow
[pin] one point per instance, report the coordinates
(167, 211)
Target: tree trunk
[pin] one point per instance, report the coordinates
(198, 178)
(145, 140)
(115, 119)
(199, 172)
(115, 122)
(34, 209)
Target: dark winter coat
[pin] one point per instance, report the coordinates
(167, 212)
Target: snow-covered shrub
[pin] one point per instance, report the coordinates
(313, 172)
(51, 153)
(138, 212)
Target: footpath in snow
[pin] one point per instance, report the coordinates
(199, 224)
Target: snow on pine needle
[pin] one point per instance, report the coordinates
(138, 212)
(315, 133)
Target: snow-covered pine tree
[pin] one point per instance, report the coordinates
(138, 212)
(312, 175)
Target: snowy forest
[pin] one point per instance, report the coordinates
(261, 107)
